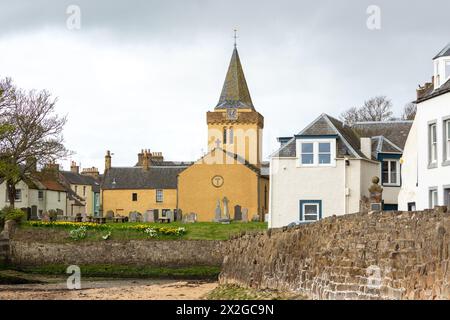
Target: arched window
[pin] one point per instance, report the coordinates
(231, 135)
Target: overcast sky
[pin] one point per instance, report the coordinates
(142, 74)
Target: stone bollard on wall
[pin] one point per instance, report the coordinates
(376, 195)
(8, 230)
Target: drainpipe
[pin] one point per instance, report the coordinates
(345, 184)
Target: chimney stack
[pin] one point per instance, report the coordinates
(74, 168)
(157, 156)
(146, 160)
(107, 160)
(140, 158)
(427, 87)
(52, 166)
(366, 147)
(93, 172)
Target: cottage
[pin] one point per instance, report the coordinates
(327, 169)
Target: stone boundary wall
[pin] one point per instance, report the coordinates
(387, 255)
(176, 253)
(4, 251)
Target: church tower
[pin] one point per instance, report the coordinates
(235, 125)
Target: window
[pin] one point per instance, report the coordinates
(224, 135)
(321, 152)
(324, 153)
(41, 195)
(231, 135)
(76, 189)
(18, 195)
(307, 153)
(159, 195)
(390, 172)
(447, 139)
(84, 190)
(432, 140)
(59, 196)
(310, 210)
(447, 69)
(433, 198)
(134, 197)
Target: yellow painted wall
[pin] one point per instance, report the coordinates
(247, 141)
(197, 194)
(120, 201)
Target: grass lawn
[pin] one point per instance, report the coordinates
(122, 271)
(119, 231)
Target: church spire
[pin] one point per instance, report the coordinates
(235, 92)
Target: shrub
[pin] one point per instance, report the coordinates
(78, 233)
(8, 213)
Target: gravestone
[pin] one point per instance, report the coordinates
(237, 213)
(83, 217)
(245, 215)
(225, 208)
(109, 215)
(45, 217)
(148, 216)
(169, 215)
(376, 195)
(218, 212)
(178, 215)
(190, 218)
(135, 217)
(155, 215)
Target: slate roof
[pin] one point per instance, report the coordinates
(445, 88)
(395, 132)
(77, 178)
(235, 93)
(386, 136)
(137, 178)
(444, 52)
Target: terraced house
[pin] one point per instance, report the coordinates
(326, 169)
(426, 161)
(83, 190)
(149, 185)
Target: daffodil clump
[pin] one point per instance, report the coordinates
(68, 224)
(155, 231)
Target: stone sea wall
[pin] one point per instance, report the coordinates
(388, 255)
(176, 253)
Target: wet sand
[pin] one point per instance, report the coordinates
(110, 289)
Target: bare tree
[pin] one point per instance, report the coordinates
(409, 111)
(34, 137)
(378, 108)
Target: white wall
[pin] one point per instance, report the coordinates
(408, 190)
(18, 204)
(433, 109)
(290, 184)
(52, 202)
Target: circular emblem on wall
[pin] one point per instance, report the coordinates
(217, 181)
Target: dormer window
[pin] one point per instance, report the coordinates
(316, 152)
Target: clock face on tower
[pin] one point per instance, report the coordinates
(232, 114)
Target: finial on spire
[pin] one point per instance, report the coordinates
(235, 37)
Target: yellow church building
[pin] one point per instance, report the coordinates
(230, 181)
(231, 178)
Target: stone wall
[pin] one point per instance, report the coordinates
(175, 253)
(389, 255)
(4, 251)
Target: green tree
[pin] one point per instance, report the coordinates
(31, 134)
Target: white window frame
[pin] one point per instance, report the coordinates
(315, 142)
(39, 193)
(315, 204)
(432, 143)
(389, 182)
(159, 195)
(447, 68)
(433, 193)
(447, 138)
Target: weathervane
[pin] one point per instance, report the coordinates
(235, 37)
